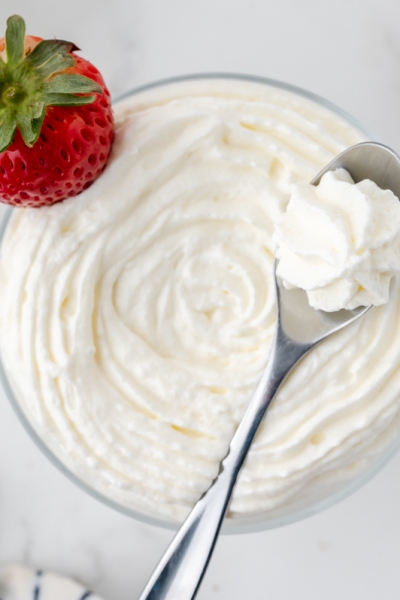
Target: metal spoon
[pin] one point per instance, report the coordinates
(299, 328)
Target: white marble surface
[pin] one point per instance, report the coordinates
(347, 51)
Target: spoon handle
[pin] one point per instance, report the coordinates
(181, 569)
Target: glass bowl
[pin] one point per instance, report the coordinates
(257, 522)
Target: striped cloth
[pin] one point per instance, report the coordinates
(23, 583)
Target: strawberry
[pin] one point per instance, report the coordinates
(56, 124)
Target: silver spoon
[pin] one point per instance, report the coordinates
(299, 328)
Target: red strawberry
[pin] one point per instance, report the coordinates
(55, 139)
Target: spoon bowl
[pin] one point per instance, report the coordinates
(368, 160)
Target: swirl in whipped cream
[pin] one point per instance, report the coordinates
(137, 317)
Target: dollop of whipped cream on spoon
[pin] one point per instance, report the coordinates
(339, 241)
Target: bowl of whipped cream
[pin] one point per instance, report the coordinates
(136, 318)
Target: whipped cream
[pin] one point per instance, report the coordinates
(339, 241)
(137, 318)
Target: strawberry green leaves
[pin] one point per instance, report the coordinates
(8, 125)
(71, 84)
(67, 100)
(30, 125)
(28, 84)
(61, 90)
(51, 56)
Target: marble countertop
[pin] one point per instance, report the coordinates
(348, 55)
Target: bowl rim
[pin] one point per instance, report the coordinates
(260, 523)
